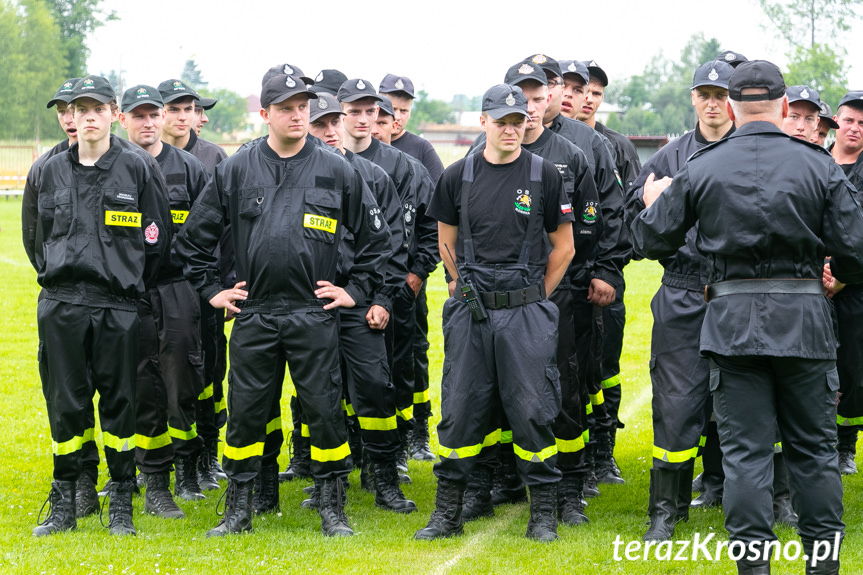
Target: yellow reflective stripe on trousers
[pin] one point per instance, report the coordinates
(421, 397)
(674, 456)
(378, 423)
(506, 436)
(74, 444)
(207, 393)
(471, 450)
(304, 430)
(569, 445)
(337, 454)
(89, 434)
(274, 425)
(702, 441)
(146, 442)
(597, 398)
(535, 457)
(407, 413)
(840, 420)
(348, 408)
(611, 382)
(246, 452)
(184, 435)
(585, 436)
(118, 443)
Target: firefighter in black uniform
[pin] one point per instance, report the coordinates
(849, 300)
(399, 90)
(170, 364)
(369, 390)
(101, 236)
(500, 330)
(678, 374)
(768, 328)
(286, 200)
(570, 426)
(825, 124)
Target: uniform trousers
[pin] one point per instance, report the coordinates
(849, 362)
(422, 402)
(613, 322)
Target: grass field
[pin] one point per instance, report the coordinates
(291, 542)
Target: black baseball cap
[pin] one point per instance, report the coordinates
(285, 70)
(356, 89)
(328, 81)
(714, 73)
(326, 104)
(853, 99)
(64, 92)
(575, 68)
(523, 71)
(803, 94)
(547, 63)
(504, 99)
(139, 95)
(756, 74)
(826, 116)
(386, 107)
(95, 87)
(733, 59)
(393, 83)
(206, 103)
(173, 89)
(280, 88)
(596, 72)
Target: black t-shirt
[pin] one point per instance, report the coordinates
(847, 169)
(500, 207)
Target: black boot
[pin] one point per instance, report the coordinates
(237, 517)
(445, 520)
(570, 505)
(506, 484)
(542, 524)
(747, 568)
(604, 464)
(388, 495)
(211, 452)
(712, 481)
(477, 496)
(847, 448)
(331, 507)
(783, 512)
(419, 442)
(402, 461)
(300, 466)
(186, 478)
(207, 479)
(61, 509)
(711, 492)
(266, 489)
(120, 509)
(367, 474)
(698, 483)
(662, 508)
(591, 484)
(684, 491)
(827, 566)
(86, 499)
(157, 497)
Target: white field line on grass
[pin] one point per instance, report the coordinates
(476, 543)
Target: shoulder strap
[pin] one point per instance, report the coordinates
(536, 190)
(467, 175)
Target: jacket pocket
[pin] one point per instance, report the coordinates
(251, 203)
(122, 216)
(56, 212)
(321, 213)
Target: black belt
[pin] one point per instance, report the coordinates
(514, 298)
(763, 285)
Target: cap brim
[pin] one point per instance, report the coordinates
(180, 96)
(810, 102)
(709, 83)
(93, 96)
(498, 113)
(207, 103)
(599, 74)
(321, 113)
(56, 101)
(355, 97)
(291, 94)
(141, 102)
(829, 121)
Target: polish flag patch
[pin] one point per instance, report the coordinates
(566, 208)
(151, 233)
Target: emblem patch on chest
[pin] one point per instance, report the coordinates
(522, 202)
(151, 233)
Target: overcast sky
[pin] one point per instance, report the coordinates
(445, 46)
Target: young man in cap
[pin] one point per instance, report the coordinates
(849, 299)
(286, 200)
(768, 330)
(575, 80)
(170, 366)
(679, 375)
(363, 348)
(825, 124)
(497, 212)
(804, 109)
(201, 108)
(180, 123)
(102, 235)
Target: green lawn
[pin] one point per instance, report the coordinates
(291, 542)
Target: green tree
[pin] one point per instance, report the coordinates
(428, 110)
(192, 75)
(805, 23)
(819, 67)
(227, 116)
(78, 19)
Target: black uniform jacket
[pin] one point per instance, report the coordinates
(384, 192)
(421, 149)
(30, 199)
(685, 269)
(767, 206)
(208, 153)
(285, 217)
(102, 234)
(627, 162)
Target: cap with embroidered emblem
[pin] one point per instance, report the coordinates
(326, 104)
(715, 73)
(329, 81)
(733, 59)
(286, 70)
(64, 92)
(280, 88)
(575, 68)
(804, 94)
(547, 63)
(504, 99)
(596, 72)
(95, 87)
(523, 71)
(392, 83)
(173, 89)
(140, 95)
(356, 89)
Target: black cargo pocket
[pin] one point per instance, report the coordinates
(832, 394)
(196, 360)
(56, 212)
(552, 376)
(320, 215)
(251, 203)
(122, 218)
(335, 391)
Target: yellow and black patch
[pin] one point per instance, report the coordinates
(319, 223)
(128, 219)
(179, 216)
